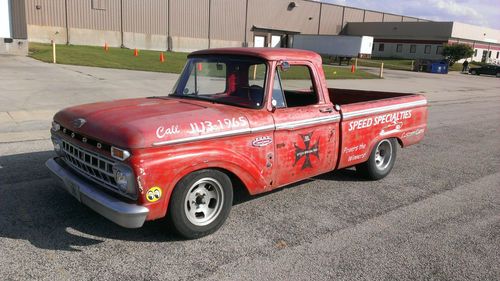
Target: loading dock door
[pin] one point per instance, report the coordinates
(275, 41)
(259, 41)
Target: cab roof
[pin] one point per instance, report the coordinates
(275, 54)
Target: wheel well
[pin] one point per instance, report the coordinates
(400, 142)
(239, 188)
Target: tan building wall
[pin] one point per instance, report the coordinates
(277, 15)
(353, 15)
(331, 19)
(392, 18)
(184, 25)
(373, 16)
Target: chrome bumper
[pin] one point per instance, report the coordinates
(124, 214)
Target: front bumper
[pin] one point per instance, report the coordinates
(122, 213)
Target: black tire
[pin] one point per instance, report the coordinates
(381, 161)
(198, 191)
(498, 74)
(474, 72)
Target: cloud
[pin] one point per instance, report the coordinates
(476, 12)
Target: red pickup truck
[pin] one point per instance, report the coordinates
(256, 117)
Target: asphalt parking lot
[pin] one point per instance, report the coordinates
(435, 217)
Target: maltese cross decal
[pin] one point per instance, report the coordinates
(306, 151)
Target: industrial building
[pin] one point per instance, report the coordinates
(426, 39)
(187, 25)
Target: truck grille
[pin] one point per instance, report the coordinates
(90, 164)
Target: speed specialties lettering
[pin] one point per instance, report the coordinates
(217, 125)
(380, 119)
(305, 150)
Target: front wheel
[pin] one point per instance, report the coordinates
(381, 161)
(498, 74)
(200, 203)
(474, 72)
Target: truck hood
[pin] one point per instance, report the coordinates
(144, 122)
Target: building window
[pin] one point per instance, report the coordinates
(98, 4)
(489, 54)
(381, 47)
(399, 48)
(427, 49)
(413, 49)
(475, 52)
(497, 54)
(439, 50)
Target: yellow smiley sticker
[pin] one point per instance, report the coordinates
(154, 194)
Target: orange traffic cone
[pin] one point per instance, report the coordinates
(136, 52)
(106, 48)
(353, 68)
(162, 58)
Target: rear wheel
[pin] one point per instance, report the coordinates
(200, 203)
(381, 161)
(498, 74)
(474, 72)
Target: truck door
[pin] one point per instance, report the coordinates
(306, 132)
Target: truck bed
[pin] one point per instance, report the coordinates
(345, 96)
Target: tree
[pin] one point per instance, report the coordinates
(456, 52)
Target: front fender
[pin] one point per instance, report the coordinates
(165, 168)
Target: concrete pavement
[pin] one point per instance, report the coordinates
(435, 217)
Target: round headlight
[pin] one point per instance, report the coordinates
(55, 126)
(57, 145)
(121, 180)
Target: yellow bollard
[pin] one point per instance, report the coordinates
(53, 51)
(381, 70)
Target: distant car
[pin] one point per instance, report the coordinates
(489, 69)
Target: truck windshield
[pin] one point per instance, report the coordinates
(232, 80)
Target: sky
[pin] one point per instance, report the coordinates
(476, 12)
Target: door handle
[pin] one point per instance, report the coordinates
(326, 110)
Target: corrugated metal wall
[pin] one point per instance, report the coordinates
(222, 20)
(353, 15)
(149, 17)
(189, 18)
(45, 12)
(227, 20)
(409, 19)
(371, 16)
(82, 15)
(392, 18)
(331, 19)
(18, 14)
(277, 15)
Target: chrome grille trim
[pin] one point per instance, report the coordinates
(90, 165)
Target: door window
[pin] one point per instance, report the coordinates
(297, 86)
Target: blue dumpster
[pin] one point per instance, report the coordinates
(439, 67)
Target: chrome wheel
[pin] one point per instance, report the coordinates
(383, 155)
(203, 202)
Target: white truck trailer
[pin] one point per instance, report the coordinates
(338, 47)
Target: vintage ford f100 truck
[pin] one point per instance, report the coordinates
(260, 118)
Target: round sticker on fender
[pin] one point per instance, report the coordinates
(154, 194)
